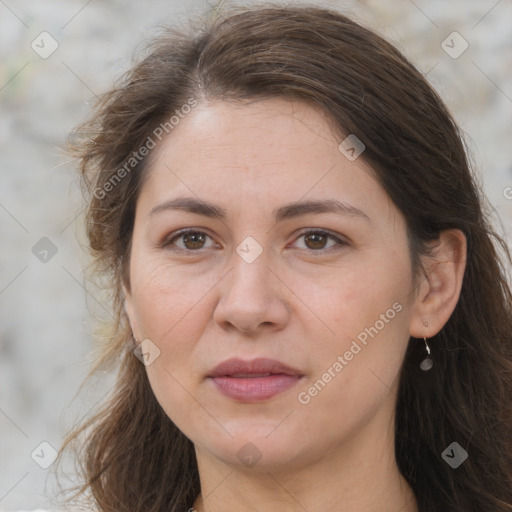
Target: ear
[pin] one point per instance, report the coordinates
(439, 291)
(130, 311)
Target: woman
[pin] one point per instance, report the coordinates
(311, 309)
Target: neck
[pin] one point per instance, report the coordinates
(273, 495)
(360, 475)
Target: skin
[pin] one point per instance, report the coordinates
(297, 302)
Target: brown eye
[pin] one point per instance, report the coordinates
(316, 240)
(191, 241)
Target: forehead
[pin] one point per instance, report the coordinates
(257, 153)
(246, 128)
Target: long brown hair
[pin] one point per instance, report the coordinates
(131, 456)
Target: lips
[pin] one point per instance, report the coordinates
(255, 368)
(255, 380)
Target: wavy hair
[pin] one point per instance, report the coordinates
(368, 88)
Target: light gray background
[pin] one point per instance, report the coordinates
(46, 342)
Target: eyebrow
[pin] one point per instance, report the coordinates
(287, 211)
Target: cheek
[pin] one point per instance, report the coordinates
(365, 314)
(164, 297)
(173, 308)
(351, 297)
(355, 370)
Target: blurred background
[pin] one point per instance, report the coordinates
(56, 56)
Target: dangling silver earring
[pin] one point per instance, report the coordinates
(428, 362)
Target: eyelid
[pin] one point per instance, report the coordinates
(341, 241)
(167, 241)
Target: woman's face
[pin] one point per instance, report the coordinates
(272, 271)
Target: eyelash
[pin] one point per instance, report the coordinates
(169, 240)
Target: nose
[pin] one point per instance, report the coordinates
(252, 298)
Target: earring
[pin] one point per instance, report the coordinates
(428, 362)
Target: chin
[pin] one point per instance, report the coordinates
(259, 446)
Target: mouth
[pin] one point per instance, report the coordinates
(249, 375)
(255, 380)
